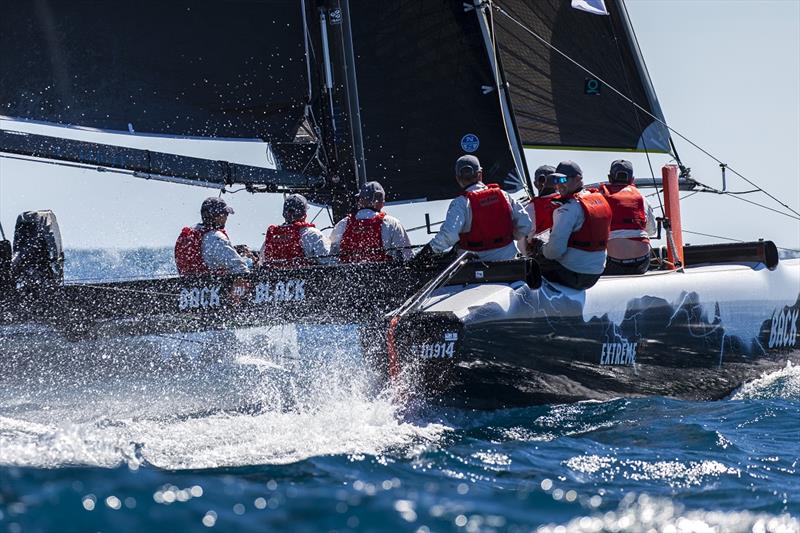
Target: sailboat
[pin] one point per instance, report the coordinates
(346, 91)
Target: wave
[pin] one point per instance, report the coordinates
(642, 513)
(258, 396)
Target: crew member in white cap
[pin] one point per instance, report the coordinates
(370, 235)
(483, 218)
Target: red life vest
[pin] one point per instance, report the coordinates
(362, 241)
(282, 243)
(627, 206)
(593, 235)
(189, 251)
(491, 220)
(543, 208)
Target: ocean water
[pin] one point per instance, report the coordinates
(287, 429)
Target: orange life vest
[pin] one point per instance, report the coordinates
(492, 226)
(627, 206)
(543, 208)
(362, 241)
(282, 244)
(592, 236)
(189, 251)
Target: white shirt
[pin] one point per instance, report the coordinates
(219, 253)
(568, 219)
(315, 246)
(394, 237)
(459, 220)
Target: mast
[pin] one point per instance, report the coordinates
(481, 10)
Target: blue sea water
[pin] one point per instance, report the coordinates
(286, 429)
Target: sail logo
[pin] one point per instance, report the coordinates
(470, 142)
(199, 298)
(290, 290)
(783, 332)
(618, 353)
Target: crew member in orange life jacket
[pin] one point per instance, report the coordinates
(540, 208)
(370, 235)
(575, 254)
(632, 222)
(206, 248)
(296, 242)
(483, 218)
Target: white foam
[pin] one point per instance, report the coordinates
(282, 397)
(784, 383)
(641, 513)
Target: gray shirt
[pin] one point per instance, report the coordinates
(568, 219)
(315, 246)
(459, 220)
(393, 235)
(219, 253)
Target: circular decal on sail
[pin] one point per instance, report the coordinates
(470, 142)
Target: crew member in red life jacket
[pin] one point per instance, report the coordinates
(540, 208)
(483, 218)
(632, 222)
(296, 242)
(370, 235)
(206, 248)
(575, 253)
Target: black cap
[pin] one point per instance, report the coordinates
(569, 168)
(467, 166)
(295, 203)
(372, 191)
(215, 206)
(621, 170)
(543, 171)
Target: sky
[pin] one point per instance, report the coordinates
(727, 74)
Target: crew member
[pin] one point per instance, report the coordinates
(540, 208)
(483, 219)
(575, 254)
(632, 222)
(206, 248)
(295, 243)
(370, 235)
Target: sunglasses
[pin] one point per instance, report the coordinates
(557, 180)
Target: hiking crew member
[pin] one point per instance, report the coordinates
(295, 243)
(370, 235)
(540, 208)
(206, 248)
(632, 222)
(483, 219)
(575, 254)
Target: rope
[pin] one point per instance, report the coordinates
(640, 108)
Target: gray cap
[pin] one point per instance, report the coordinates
(295, 204)
(621, 170)
(543, 171)
(467, 166)
(569, 168)
(372, 191)
(215, 206)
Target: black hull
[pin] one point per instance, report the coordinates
(519, 346)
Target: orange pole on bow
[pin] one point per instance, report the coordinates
(672, 208)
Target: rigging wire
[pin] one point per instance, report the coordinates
(630, 100)
(638, 120)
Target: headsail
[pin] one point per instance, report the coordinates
(556, 103)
